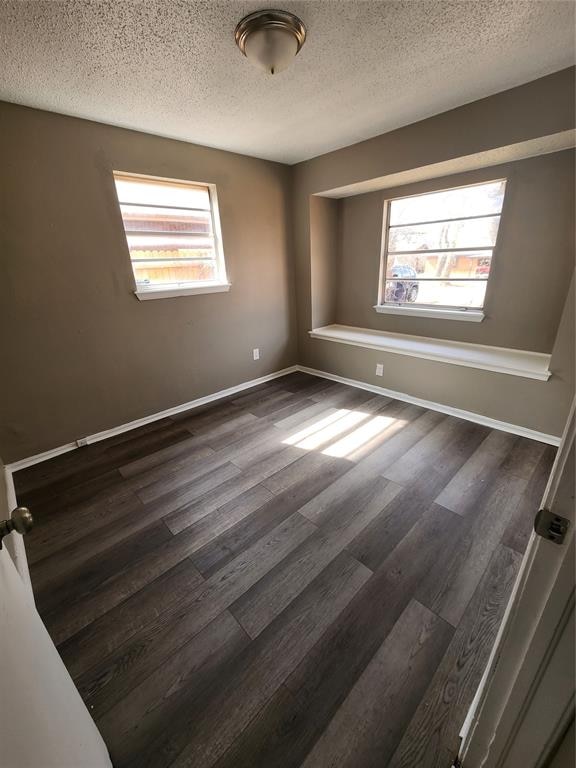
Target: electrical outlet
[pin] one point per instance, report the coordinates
(379, 369)
(256, 354)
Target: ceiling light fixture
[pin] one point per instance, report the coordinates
(270, 39)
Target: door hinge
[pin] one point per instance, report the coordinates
(551, 526)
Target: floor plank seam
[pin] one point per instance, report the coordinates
(207, 525)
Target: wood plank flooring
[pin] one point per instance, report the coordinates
(301, 575)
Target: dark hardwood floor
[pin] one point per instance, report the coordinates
(304, 574)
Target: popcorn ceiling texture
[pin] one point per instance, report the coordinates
(171, 67)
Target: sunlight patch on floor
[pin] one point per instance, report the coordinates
(329, 432)
(316, 427)
(355, 440)
(326, 434)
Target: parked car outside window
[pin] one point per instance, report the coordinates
(405, 289)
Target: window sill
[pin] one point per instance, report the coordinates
(515, 362)
(467, 315)
(143, 294)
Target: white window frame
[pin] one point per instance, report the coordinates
(467, 314)
(171, 290)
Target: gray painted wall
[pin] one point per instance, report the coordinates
(82, 354)
(324, 245)
(540, 108)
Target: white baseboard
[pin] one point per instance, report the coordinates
(38, 457)
(477, 418)
(19, 552)
(447, 409)
(97, 436)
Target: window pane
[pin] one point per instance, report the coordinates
(450, 204)
(458, 265)
(444, 293)
(139, 218)
(157, 192)
(165, 242)
(165, 272)
(468, 233)
(169, 231)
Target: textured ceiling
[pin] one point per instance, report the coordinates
(171, 67)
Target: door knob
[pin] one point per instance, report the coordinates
(21, 521)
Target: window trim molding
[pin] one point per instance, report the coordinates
(170, 292)
(442, 312)
(217, 230)
(159, 291)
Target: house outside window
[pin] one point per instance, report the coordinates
(173, 236)
(438, 251)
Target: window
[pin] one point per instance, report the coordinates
(438, 251)
(173, 236)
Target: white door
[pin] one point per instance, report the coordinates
(43, 720)
(526, 701)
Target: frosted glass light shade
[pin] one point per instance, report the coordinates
(271, 49)
(270, 39)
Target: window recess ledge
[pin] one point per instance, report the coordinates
(143, 294)
(466, 315)
(515, 362)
